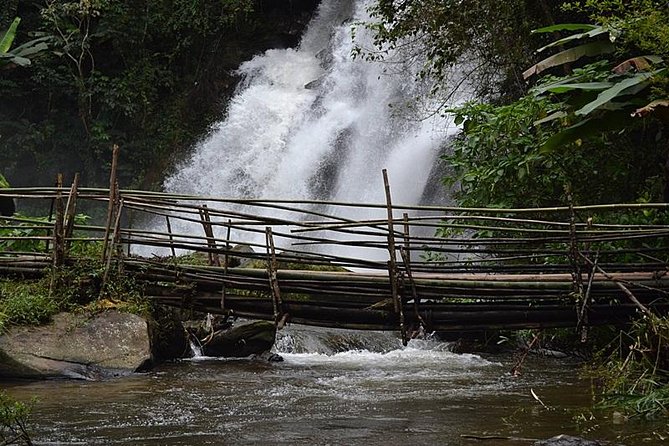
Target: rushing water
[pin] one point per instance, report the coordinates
(312, 122)
(324, 393)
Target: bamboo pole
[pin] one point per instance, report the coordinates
(264, 202)
(392, 256)
(117, 222)
(227, 263)
(209, 234)
(58, 235)
(51, 208)
(113, 189)
(273, 280)
(70, 210)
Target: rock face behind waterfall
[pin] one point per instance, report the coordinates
(77, 346)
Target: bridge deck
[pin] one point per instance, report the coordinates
(484, 268)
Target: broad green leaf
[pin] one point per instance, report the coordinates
(551, 117)
(30, 48)
(579, 86)
(618, 89)
(565, 27)
(589, 34)
(4, 184)
(16, 60)
(8, 37)
(570, 55)
(542, 88)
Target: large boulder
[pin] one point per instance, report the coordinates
(254, 338)
(77, 346)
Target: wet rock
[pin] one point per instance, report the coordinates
(77, 346)
(168, 337)
(567, 440)
(269, 357)
(248, 339)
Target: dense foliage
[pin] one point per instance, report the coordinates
(146, 75)
(600, 129)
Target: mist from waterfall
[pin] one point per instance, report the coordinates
(313, 123)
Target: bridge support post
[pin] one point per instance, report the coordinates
(577, 271)
(279, 316)
(70, 210)
(209, 233)
(58, 235)
(392, 262)
(226, 261)
(113, 202)
(405, 253)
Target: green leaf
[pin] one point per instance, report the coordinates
(570, 55)
(551, 117)
(31, 47)
(4, 184)
(563, 88)
(17, 60)
(615, 91)
(565, 27)
(599, 30)
(8, 37)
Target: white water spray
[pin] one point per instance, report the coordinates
(312, 123)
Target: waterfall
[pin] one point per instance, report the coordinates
(312, 122)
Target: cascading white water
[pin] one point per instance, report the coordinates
(314, 123)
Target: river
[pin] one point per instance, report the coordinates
(333, 388)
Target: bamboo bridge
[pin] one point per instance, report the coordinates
(355, 265)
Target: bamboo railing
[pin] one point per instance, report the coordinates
(399, 266)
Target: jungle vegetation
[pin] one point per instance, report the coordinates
(150, 76)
